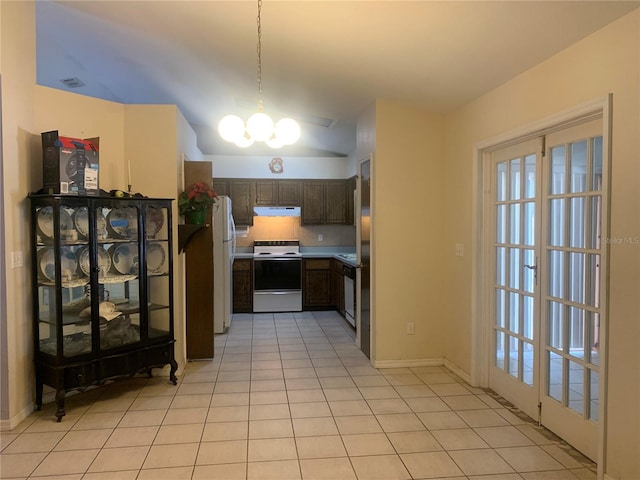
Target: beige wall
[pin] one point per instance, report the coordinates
(20, 176)
(607, 61)
(409, 249)
(151, 146)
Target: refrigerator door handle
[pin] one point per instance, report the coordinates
(233, 237)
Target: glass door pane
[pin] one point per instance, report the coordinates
(158, 262)
(118, 252)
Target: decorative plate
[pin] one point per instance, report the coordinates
(45, 221)
(68, 263)
(124, 257)
(81, 219)
(156, 258)
(122, 222)
(154, 221)
(104, 261)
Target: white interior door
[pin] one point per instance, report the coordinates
(546, 272)
(515, 188)
(571, 309)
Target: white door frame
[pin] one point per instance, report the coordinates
(481, 321)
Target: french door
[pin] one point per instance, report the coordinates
(547, 203)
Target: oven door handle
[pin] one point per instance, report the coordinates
(275, 292)
(277, 259)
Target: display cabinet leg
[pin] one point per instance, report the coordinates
(172, 374)
(149, 373)
(39, 386)
(60, 403)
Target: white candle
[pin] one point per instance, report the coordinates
(128, 175)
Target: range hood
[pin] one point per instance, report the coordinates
(276, 211)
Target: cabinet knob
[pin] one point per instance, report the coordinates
(165, 354)
(80, 376)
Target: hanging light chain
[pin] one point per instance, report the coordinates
(259, 126)
(259, 50)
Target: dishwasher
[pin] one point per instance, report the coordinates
(350, 294)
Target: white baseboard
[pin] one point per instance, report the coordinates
(13, 422)
(425, 362)
(455, 369)
(417, 362)
(611, 477)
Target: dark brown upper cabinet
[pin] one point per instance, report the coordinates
(326, 202)
(285, 193)
(323, 201)
(242, 193)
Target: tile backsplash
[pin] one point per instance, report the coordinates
(289, 228)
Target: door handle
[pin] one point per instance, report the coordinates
(535, 271)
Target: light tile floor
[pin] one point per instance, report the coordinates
(288, 396)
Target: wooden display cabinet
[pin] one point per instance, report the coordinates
(102, 290)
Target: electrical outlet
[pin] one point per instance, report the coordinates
(459, 249)
(320, 237)
(410, 328)
(17, 260)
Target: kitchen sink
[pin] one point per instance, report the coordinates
(348, 256)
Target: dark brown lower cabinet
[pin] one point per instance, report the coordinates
(322, 285)
(316, 284)
(243, 285)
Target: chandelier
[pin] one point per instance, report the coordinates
(259, 127)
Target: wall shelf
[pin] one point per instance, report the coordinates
(185, 232)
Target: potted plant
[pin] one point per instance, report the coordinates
(194, 202)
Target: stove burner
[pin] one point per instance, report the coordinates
(276, 248)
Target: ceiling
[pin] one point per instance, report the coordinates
(323, 62)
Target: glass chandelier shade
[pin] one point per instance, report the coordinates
(259, 127)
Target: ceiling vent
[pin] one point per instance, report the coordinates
(73, 82)
(317, 120)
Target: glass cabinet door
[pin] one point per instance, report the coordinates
(159, 289)
(103, 274)
(61, 236)
(117, 265)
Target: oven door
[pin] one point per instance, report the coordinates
(277, 285)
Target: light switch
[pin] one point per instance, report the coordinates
(459, 249)
(320, 237)
(17, 260)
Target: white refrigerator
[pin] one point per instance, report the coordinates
(224, 249)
